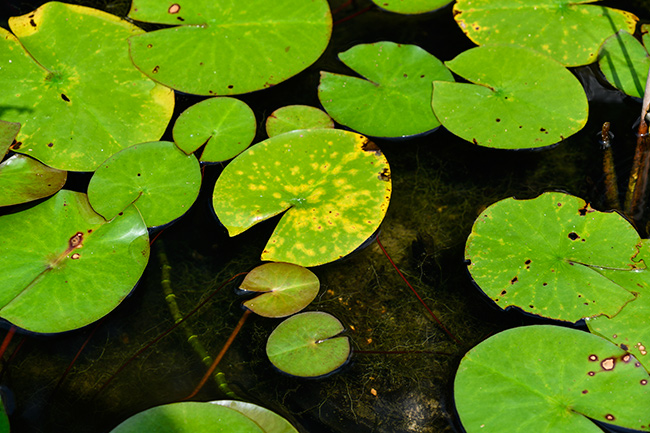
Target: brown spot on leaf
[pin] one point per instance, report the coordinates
(384, 175)
(584, 391)
(593, 358)
(75, 256)
(174, 9)
(591, 373)
(624, 346)
(514, 280)
(155, 70)
(609, 417)
(75, 240)
(573, 236)
(503, 292)
(32, 23)
(50, 144)
(608, 364)
(643, 382)
(64, 97)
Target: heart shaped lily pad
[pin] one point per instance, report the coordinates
(521, 99)
(411, 6)
(394, 99)
(269, 421)
(24, 179)
(294, 117)
(59, 94)
(225, 125)
(74, 267)
(335, 186)
(547, 256)
(557, 380)
(306, 345)
(544, 25)
(625, 61)
(157, 176)
(263, 42)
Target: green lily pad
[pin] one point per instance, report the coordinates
(521, 98)
(287, 288)
(24, 179)
(550, 379)
(334, 186)
(225, 125)
(269, 421)
(58, 94)
(263, 42)
(74, 266)
(157, 176)
(544, 25)
(625, 62)
(4, 419)
(547, 256)
(394, 99)
(294, 117)
(8, 131)
(411, 6)
(306, 345)
(189, 417)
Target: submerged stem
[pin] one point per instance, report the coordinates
(611, 182)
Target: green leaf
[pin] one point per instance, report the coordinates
(334, 186)
(306, 345)
(287, 288)
(411, 6)
(394, 99)
(226, 124)
(546, 26)
(268, 421)
(521, 99)
(547, 256)
(625, 63)
(550, 379)
(4, 419)
(73, 57)
(8, 131)
(24, 179)
(63, 266)
(189, 417)
(161, 180)
(263, 42)
(294, 117)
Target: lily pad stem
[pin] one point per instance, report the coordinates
(611, 182)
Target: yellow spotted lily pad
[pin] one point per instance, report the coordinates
(334, 185)
(293, 117)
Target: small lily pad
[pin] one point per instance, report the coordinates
(269, 421)
(161, 180)
(394, 99)
(307, 345)
(544, 26)
(287, 288)
(225, 125)
(189, 417)
(520, 98)
(625, 62)
(24, 179)
(74, 267)
(411, 6)
(548, 255)
(550, 379)
(221, 47)
(294, 117)
(8, 131)
(334, 186)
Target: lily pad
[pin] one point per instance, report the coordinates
(411, 6)
(334, 186)
(58, 94)
(225, 125)
(548, 255)
(557, 380)
(306, 345)
(8, 131)
(294, 117)
(161, 180)
(24, 179)
(74, 267)
(625, 62)
(189, 417)
(521, 99)
(269, 421)
(394, 99)
(546, 26)
(287, 288)
(263, 42)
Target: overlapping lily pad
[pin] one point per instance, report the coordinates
(307, 345)
(63, 266)
(411, 6)
(24, 179)
(59, 93)
(222, 47)
(334, 186)
(286, 289)
(394, 97)
(269, 421)
(225, 125)
(625, 61)
(8, 131)
(569, 31)
(293, 117)
(548, 256)
(520, 98)
(557, 380)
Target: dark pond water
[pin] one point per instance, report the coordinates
(399, 377)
